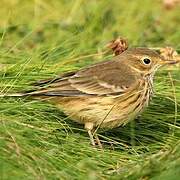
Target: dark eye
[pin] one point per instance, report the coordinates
(146, 61)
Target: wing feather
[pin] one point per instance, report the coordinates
(104, 78)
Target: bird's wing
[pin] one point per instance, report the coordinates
(106, 78)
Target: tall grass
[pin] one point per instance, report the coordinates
(40, 39)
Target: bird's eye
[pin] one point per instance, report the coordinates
(146, 61)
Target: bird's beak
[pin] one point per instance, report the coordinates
(168, 62)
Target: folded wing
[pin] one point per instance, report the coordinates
(102, 79)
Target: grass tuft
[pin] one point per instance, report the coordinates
(40, 39)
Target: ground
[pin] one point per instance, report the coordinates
(41, 39)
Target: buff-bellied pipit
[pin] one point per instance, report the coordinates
(106, 94)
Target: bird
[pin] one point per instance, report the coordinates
(107, 94)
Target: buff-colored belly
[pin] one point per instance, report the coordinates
(104, 111)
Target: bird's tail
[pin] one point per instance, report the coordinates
(25, 93)
(14, 95)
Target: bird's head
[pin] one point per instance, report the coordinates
(144, 60)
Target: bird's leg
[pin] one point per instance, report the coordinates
(98, 141)
(91, 138)
(92, 134)
(89, 127)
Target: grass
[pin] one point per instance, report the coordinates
(40, 39)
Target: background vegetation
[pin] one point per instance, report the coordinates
(40, 39)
